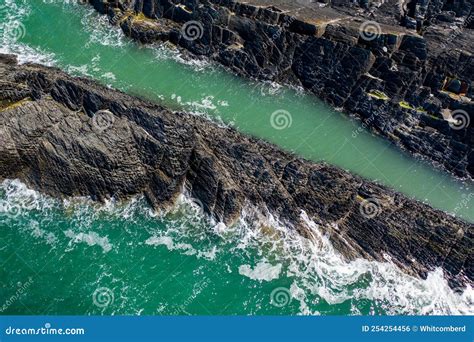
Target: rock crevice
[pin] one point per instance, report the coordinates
(74, 137)
(407, 74)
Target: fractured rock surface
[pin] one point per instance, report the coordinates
(69, 136)
(405, 68)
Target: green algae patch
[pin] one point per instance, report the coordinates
(377, 94)
(140, 17)
(405, 105)
(7, 105)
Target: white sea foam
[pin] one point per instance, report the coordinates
(187, 230)
(169, 51)
(100, 30)
(49, 237)
(81, 70)
(317, 271)
(103, 33)
(109, 76)
(263, 271)
(269, 88)
(90, 238)
(205, 104)
(169, 243)
(321, 271)
(185, 248)
(18, 195)
(27, 54)
(16, 12)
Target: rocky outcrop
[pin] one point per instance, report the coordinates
(403, 68)
(67, 136)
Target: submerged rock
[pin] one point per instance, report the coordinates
(70, 136)
(343, 52)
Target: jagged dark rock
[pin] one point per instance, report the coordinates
(69, 136)
(420, 47)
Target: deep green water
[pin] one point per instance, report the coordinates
(58, 254)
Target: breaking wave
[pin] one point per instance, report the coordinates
(258, 247)
(13, 14)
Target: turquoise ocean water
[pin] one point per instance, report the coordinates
(78, 257)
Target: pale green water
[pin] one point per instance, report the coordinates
(71, 250)
(84, 46)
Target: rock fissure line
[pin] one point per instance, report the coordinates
(152, 151)
(402, 72)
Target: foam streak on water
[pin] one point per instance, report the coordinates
(180, 261)
(12, 30)
(256, 256)
(83, 43)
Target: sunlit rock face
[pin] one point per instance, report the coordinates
(67, 136)
(343, 52)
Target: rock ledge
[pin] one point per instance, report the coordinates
(68, 136)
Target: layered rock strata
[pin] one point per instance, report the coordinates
(403, 68)
(68, 136)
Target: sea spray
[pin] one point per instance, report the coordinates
(317, 133)
(12, 30)
(316, 277)
(257, 250)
